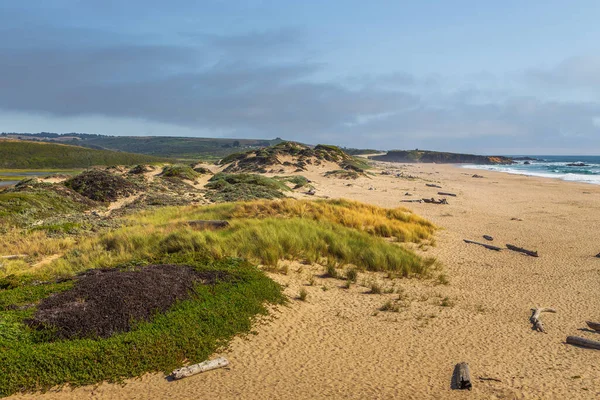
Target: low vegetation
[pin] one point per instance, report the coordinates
(31, 201)
(342, 174)
(224, 187)
(101, 185)
(285, 154)
(180, 171)
(188, 148)
(140, 327)
(37, 155)
(191, 329)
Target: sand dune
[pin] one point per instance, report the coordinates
(338, 345)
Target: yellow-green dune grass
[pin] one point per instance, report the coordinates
(263, 232)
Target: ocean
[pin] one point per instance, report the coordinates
(587, 169)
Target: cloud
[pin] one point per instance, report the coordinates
(574, 71)
(266, 84)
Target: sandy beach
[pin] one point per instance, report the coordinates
(338, 345)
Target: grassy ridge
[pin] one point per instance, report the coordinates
(37, 155)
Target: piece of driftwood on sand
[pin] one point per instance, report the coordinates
(446, 194)
(433, 185)
(488, 237)
(462, 374)
(485, 378)
(434, 201)
(522, 250)
(411, 201)
(583, 342)
(593, 325)
(535, 318)
(487, 246)
(199, 368)
(208, 224)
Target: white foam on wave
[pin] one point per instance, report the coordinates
(593, 179)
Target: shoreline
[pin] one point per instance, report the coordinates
(339, 345)
(561, 177)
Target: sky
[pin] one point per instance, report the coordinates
(489, 77)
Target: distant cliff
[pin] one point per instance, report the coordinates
(425, 156)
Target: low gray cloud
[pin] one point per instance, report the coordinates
(574, 72)
(262, 84)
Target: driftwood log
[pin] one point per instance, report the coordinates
(434, 201)
(433, 185)
(487, 246)
(522, 250)
(593, 325)
(411, 201)
(535, 318)
(446, 194)
(462, 375)
(199, 368)
(208, 224)
(485, 378)
(488, 237)
(583, 342)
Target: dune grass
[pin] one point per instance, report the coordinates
(334, 233)
(24, 207)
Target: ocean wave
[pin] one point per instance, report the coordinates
(547, 170)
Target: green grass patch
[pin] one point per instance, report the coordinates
(180, 171)
(191, 330)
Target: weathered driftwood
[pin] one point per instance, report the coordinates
(535, 318)
(411, 201)
(198, 368)
(208, 224)
(593, 325)
(485, 378)
(488, 237)
(598, 255)
(446, 194)
(13, 256)
(434, 201)
(477, 176)
(433, 185)
(462, 375)
(311, 192)
(583, 342)
(522, 250)
(487, 246)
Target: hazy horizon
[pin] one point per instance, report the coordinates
(510, 78)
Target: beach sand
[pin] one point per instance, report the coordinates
(338, 345)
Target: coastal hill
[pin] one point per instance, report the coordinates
(291, 157)
(427, 156)
(24, 154)
(159, 146)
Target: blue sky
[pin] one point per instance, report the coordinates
(510, 77)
